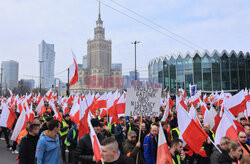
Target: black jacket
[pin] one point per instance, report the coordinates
(121, 160)
(226, 159)
(84, 152)
(27, 149)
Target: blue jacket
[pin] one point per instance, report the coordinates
(48, 150)
(148, 146)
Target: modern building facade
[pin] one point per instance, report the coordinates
(47, 61)
(132, 75)
(28, 83)
(209, 71)
(117, 66)
(9, 74)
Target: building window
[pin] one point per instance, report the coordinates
(166, 75)
(197, 71)
(225, 72)
(172, 65)
(160, 71)
(180, 73)
(234, 71)
(206, 66)
(242, 77)
(188, 72)
(216, 72)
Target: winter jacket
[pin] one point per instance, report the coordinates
(131, 150)
(214, 158)
(119, 135)
(121, 160)
(150, 149)
(48, 150)
(226, 159)
(84, 152)
(27, 149)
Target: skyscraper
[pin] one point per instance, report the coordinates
(84, 62)
(47, 61)
(9, 74)
(99, 49)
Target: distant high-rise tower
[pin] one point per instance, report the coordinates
(47, 61)
(10, 74)
(99, 49)
(84, 62)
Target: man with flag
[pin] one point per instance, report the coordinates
(84, 150)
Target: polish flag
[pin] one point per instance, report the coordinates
(196, 98)
(193, 114)
(226, 128)
(112, 101)
(20, 125)
(203, 108)
(40, 109)
(205, 99)
(101, 102)
(8, 117)
(236, 123)
(95, 142)
(75, 111)
(236, 104)
(57, 114)
(210, 118)
(247, 97)
(190, 132)
(73, 71)
(181, 102)
(84, 112)
(171, 103)
(182, 92)
(120, 105)
(49, 94)
(166, 112)
(163, 153)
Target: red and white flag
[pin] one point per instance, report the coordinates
(8, 117)
(95, 142)
(236, 104)
(73, 71)
(101, 102)
(120, 105)
(163, 153)
(167, 110)
(226, 128)
(20, 125)
(190, 132)
(40, 109)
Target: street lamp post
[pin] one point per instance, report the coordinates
(135, 42)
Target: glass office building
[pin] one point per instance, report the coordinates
(209, 71)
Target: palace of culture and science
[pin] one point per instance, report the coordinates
(98, 74)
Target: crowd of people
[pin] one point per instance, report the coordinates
(47, 140)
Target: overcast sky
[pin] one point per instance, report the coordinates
(68, 24)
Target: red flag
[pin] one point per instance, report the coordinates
(101, 102)
(40, 109)
(8, 117)
(236, 104)
(95, 142)
(191, 133)
(163, 153)
(73, 71)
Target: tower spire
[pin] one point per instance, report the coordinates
(99, 15)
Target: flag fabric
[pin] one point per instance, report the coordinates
(190, 132)
(101, 102)
(95, 142)
(166, 112)
(8, 117)
(236, 104)
(20, 125)
(73, 71)
(120, 105)
(226, 128)
(40, 109)
(163, 153)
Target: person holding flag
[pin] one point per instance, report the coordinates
(84, 151)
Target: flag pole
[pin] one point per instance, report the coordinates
(214, 145)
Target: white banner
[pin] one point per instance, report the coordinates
(143, 102)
